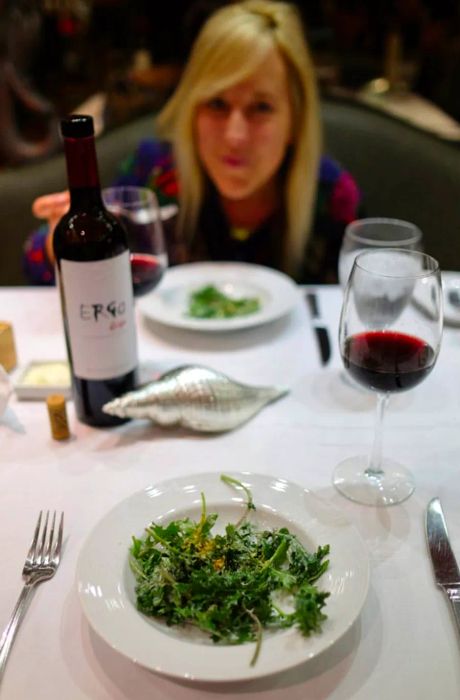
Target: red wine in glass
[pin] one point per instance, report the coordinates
(147, 271)
(387, 361)
(138, 210)
(389, 335)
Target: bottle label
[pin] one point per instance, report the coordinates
(99, 307)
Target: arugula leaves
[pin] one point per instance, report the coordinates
(230, 584)
(209, 302)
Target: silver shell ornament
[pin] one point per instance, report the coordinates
(194, 397)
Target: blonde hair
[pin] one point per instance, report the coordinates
(232, 44)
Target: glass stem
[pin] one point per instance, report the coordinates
(375, 459)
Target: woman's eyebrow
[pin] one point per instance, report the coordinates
(264, 95)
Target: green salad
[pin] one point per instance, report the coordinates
(229, 585)
(209, 302)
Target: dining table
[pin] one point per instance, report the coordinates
(403, 644)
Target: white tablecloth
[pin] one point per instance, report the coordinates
(404, 644)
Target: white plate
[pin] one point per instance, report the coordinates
(450, 282)
(169, 303)
(106, 583)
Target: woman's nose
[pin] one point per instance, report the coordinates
(236, 128)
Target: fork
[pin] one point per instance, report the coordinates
(40, 565)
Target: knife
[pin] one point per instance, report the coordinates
(445, 566)
(321, 332)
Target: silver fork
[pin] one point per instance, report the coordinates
(40, 565)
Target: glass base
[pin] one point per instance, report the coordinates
(393, 486)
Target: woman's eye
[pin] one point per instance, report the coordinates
(263, 107)
(217, 104)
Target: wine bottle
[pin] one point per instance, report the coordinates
(94, 277)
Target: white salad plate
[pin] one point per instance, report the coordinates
(106, 585)
(168, 304)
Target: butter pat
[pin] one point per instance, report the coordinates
(40, 379)
(7, 347)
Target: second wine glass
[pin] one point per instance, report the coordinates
(372, 233)
(138, 210)
(389, 336)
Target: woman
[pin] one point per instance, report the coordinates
(243, 150)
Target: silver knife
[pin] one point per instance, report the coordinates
(321, 332)
(445, 566)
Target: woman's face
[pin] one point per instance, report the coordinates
(243, 132)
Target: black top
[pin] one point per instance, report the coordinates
(77, 126)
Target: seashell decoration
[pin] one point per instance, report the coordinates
(194, 397)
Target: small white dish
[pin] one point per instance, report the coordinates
(168, 304)
(40, 379)
(106, 584)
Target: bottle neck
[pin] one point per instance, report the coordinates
(82, 171)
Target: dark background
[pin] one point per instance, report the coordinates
(64, 51)
(86, 52)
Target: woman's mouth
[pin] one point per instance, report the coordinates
(234, 161)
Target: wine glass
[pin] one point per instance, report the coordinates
(138, 210)
(389, 337)
(375, 232)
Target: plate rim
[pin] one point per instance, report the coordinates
(229, 674)
(146, 303)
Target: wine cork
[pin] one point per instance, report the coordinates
(58, 416)
(7, 347)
